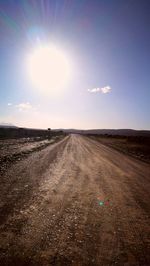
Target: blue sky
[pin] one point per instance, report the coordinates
(108, 45)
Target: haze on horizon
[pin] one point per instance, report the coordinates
(75, 64)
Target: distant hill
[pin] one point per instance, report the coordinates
(7, 125)
(120, 132)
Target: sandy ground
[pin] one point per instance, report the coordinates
(77, 202)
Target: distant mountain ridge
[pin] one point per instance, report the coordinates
(7, 125)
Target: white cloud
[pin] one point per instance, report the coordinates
(24, 106)
(9, 104)
(105, 89)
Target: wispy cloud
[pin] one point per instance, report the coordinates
(9, 104)
(105, 89)
(24, 106)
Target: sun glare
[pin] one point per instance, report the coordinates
(48, 68)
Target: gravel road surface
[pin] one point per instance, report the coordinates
(76, 202)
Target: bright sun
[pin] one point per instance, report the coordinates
(48, 68)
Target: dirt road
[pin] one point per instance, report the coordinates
(77, 202)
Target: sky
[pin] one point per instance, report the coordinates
(107, 44)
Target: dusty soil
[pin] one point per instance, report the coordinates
(76, 202)
(136, 147)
